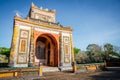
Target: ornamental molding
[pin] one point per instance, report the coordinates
(24, 27)
(46, 30)
(66, 34)
(42, 12)
(44, 25)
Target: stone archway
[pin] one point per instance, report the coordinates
(47, 50)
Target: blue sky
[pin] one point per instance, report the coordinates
(93, 21)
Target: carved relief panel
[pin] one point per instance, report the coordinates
(23, 47)
(66, 47)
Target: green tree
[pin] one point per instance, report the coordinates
(108, 49)
(76, 50)
(4, 51)
(94, 52)
(81, 57)
(116, 51)
(4, 54)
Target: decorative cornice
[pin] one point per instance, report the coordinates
(42, 24)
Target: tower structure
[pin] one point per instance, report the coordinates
(38, 38)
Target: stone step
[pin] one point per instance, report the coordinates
(53, 69)
(50, 69)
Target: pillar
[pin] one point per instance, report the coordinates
(31, 54)
(61, 47)
(73, 60)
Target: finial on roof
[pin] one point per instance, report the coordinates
(32, 4)
(17, 14)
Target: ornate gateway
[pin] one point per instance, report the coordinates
(39, 39)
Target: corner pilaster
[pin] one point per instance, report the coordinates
(13, 50)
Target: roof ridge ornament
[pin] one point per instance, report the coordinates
(17, 14)
(33, 5)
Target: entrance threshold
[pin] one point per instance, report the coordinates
(49, 69)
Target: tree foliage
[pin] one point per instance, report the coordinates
(110, 51)
(76, 50)
(82, 57)
(4, 51)
(108, 48)
(116, 50)
(96, 53)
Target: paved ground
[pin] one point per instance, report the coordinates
(110, 74)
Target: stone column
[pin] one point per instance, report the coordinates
(72, 49)
(31, 54)
(61, 50)
(74, 67)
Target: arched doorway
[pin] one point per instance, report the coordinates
(47, 50)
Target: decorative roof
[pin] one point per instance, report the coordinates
(41, 8)
(31, 19)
